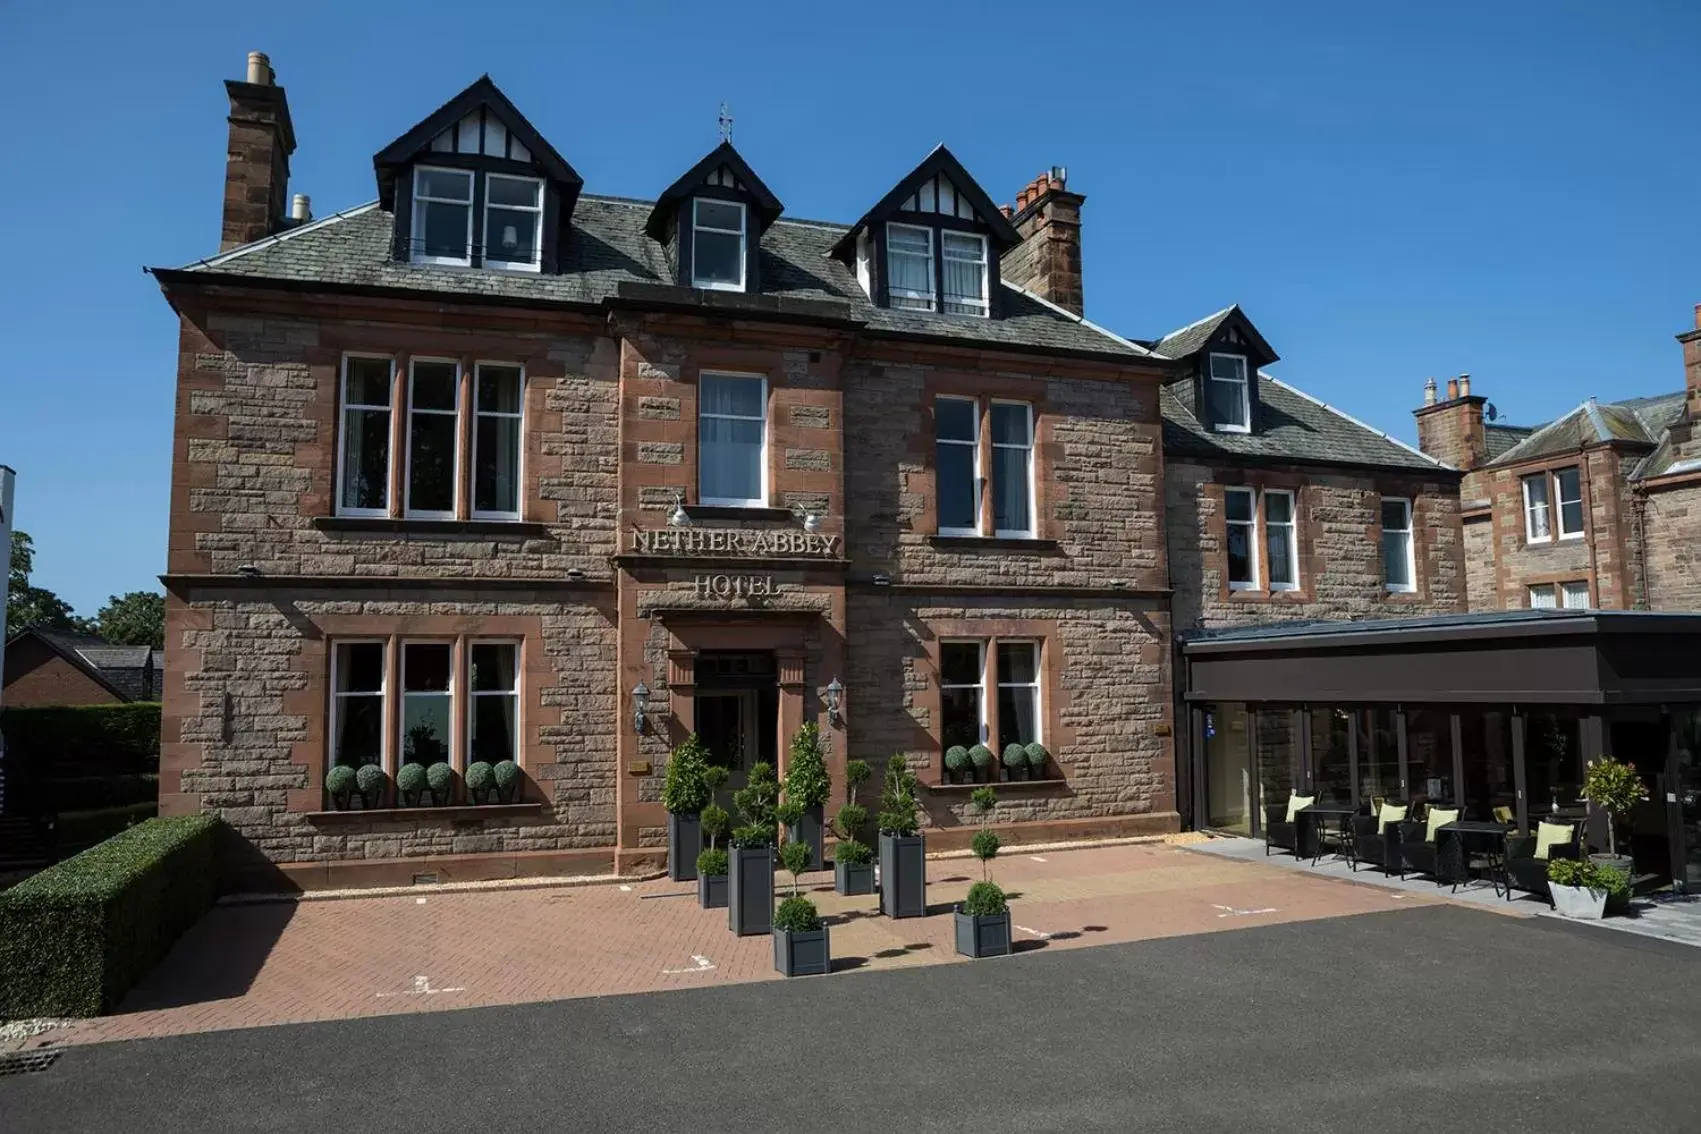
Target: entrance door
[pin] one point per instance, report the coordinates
(1643, 742)
(726, 723)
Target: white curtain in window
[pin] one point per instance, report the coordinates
(729, 439)
(965, 274)
(1542, 598)
(910, 254)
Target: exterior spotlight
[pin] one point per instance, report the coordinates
(248, 569)
(640, 700)
(835, 698)
(679, 518)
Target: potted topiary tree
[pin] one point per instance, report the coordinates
(1615, 788)
(853, 860)
(1582, 888)
(957, 763)
(750, 873)
(903, 850)
(800, 940)
(808, 786)
(481, 778)
(712, 863)
(410, 783)
(981, 757)
(507, 776)
(1037, 758)
(340, 785)
(1015, 762)
(983, 918)
(440, 778)
(685, 792)
(372, 783)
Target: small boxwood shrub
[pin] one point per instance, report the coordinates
(1037, 757)
(1015, 756)
(411, 779)
(980, 756)
(957, 758)
(371, 780)
(507, 776)
(985, 899)
(797, 915)
(441, 779)
(480, 776)
(340, 781)
(713, 863)
(853, 853)
(76, 937)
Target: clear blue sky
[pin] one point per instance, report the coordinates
(1390, 190)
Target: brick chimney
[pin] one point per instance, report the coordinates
(1451, 429)
(256, 173)
(1686, 432)
(1048, 261)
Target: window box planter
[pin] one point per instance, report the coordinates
(1579, 902)
(802, 952)
(853, 877)
(684, 843)
(983, 935)
(809, 830)
(903, 875)
(711, 891)
(750, 891)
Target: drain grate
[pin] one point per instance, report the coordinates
(23, 1062)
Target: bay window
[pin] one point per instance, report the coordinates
(964, 256)
(363, 452)
(718, 235)
(433, 438)
(1241, 521)
(1399, 571)
(513, 222)
(1280, 540)
(1228, 394)
(957, 465)
(732, 440)
(909, 259)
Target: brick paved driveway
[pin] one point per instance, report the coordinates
(273, 963)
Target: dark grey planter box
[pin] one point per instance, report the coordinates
(711, 891)
(853, 877)
(750, 891)
(684, 844)
(987, 935)
(803, 953)
(903, 875)
(809, 830)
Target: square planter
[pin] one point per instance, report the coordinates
(750, 891)
(803, 953)
(985, 935)
(809, 830)
(711, 891)
(684, 844)
(1579, 902)
(853, 877)
(903, 875)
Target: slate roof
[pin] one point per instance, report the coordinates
(131, 673)
(1640, 421)
(1293, 427)
(607, 250)
(1503, 437)
(1180, 344)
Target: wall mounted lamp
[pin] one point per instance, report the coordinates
(835, 698)
(679, 517)
(640, 701)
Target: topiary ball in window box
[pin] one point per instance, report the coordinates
(982, 759)
(410, 782)
(1015, 761)
(507, 775)
(340, 785)
(481, 778)
(957, 762)
(1038, 757)
(372, 782)
(440, 778)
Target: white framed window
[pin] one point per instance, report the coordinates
(513, 222)
(717, 244)
(442, 216)
(498, 425)
(1227, 394)
(1018, 677)
(428, 703)
(359, 688)
(1240, 518)
(909, 267)
(1568, 487)
(363, 441)
(1399, 570)
(1012, 470)
(1281, 539)
(1542, 597)
(732, 449)
(964, 256)
(957, 477)
(433, 440)
(1537, 524)
(493, 715)
(1574, 595)
(962, 693)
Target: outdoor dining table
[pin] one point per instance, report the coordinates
(1485, 831)
(1312, 818)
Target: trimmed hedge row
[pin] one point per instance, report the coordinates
(76, 937)
(61, 741)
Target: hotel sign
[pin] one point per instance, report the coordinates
(735, 586)
(736, 542)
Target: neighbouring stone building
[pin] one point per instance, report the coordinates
(494, 468)
(1599, 509)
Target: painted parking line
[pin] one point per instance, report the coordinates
(1036, 858)
(422, 987)
(699, 964)
(1035, 932)
(1230, 911)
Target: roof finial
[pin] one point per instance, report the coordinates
(726, 123)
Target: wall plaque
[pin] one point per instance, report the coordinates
(735, 586)
(734, 541)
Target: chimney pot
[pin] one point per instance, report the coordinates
(1429, 392)
(1059, 176)
(1464, 385)
(1698, 316)
(1452, 388)
(259, 69)
(301, 208)
(1007, 211)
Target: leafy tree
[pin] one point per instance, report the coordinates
(28, 605)
(134, 619)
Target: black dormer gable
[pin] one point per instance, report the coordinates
(722, 175)
(938, 195)
(481, 142)
(1230, 335)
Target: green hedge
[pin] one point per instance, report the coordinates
(77, 936)
(77, 830)
(63, 741)
(85, 793)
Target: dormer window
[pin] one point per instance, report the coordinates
(1229, 398)
(513, 222)
(912, 271)
(442, 208)
(910, 252)
(965, 273)
(717, 244)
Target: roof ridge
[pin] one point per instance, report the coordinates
(1197, 323)
(1340, 413)
(279, 237)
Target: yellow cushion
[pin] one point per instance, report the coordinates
(1503, 815)
(1390, 814)
(1439, 817)
(1296, 803)
(1550, 835)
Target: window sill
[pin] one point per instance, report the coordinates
(737, 512)
(999, 785)
(993, 543)
(452, 811)
(520, 529)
